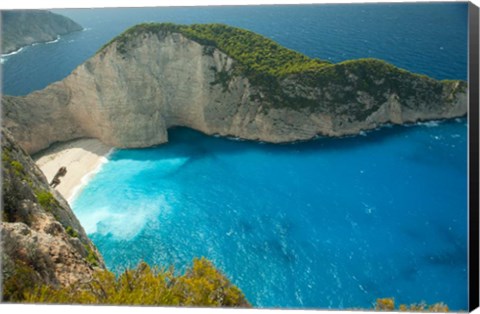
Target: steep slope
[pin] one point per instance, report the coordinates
(42, 241)
(221, 80)
(24, 27)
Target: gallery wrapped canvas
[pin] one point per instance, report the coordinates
(303, 156)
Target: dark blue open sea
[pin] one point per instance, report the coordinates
(330, 223)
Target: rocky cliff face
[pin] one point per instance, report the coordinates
(25, 27)
(42, 241)
(132, 91)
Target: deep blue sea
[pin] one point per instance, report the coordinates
(330, 223)
(424, 38)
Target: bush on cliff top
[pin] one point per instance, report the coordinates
(200, 285)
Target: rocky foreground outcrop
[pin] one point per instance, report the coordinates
(24, 27)
(42, 242)
(156, 76)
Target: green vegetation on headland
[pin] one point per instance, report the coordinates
(253, 52)
(291, 79)
(200, 285)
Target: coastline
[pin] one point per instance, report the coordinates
(85, 157)
(82, 158)
(14, 52)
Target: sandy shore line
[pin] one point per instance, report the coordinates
(81, 157)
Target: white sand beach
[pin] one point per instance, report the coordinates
(81, 157)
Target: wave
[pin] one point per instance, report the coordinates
(122, 221)
(12, 53)
(53, 41)
(87, 177)
(429, 124)
(31, 45)
(234, 138)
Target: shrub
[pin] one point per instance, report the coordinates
(71, 232)
(6, 155)
(20, 282)
(92, 258)
(204, 284)
(17, 166)
(388, 304)
(385, 304)
(45, 199)
(201, 285)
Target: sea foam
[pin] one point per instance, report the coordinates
(53, 41)
(12, 53)
(122, 221)
(429, 124)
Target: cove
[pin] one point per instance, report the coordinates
(329, 223)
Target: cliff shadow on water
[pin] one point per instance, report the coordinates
(198, 142)
(187, 147)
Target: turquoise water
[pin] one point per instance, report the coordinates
(324, 224)
(331, 223)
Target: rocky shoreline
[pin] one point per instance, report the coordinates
(22, 28)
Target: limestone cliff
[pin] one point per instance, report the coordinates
(42, 241)
(25, 27)
(221, 80)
